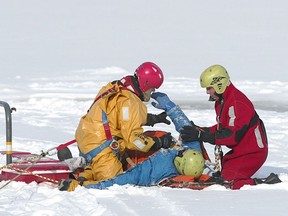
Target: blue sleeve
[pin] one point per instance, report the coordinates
(179, 120)
(147, 173)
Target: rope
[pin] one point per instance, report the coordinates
(28, 159)
(34, 160)
(218, 156)
(34, 174)
(26, 170)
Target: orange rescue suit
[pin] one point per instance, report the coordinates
(126, 115)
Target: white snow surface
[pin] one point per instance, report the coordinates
(50, 107)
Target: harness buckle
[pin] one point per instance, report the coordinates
(114, 145)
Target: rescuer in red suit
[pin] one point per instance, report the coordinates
(238, 127)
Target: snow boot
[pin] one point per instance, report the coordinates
(64, 154)
(271, 179)
(68, 185)
(75, 162)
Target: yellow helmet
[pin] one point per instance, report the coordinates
(191, 163)
(215, 76)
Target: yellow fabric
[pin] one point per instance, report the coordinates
(105, 167)
(126, 114)
(73, 185)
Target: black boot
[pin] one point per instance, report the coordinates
(64, 184)
(271, 179)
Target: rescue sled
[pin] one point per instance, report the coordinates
(180, 181)
(26, 170)
(28, 167)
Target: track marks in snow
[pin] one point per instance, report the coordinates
(131, 200)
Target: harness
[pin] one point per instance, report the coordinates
(218, 153)
(110, 141)
(218, 150)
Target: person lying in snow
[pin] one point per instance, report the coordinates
(165, 163)
(179, 119)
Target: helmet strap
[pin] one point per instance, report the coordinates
(220, 96)
(211, 99)
(137, 86)
(131, 84)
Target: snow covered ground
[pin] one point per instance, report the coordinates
(45, 44)
(49, 108)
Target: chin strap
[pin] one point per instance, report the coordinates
(131, 83)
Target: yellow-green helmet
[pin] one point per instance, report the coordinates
(191, 164)
(215, 76)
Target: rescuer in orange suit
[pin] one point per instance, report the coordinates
(114, 122)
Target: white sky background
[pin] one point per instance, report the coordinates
(184, 37)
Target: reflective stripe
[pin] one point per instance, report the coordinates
(232, 116)
(139, 144)
(125, 113)
(258, 137)
(8, 147)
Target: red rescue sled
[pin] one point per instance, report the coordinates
(27, 167)
(44, 170)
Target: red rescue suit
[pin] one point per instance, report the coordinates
(240, 129)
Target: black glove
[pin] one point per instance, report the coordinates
(166, 141)
(154, 119)
(194, 133)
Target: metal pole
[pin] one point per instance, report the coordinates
(8, 131)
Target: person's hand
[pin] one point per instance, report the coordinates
(190, 133)
(154, 119)
(163, 101)
(166, 141)
(195, 133)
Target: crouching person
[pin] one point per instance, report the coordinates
(115, 123)
(106, 164)
(166, 163)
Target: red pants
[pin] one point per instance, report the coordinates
(240, 169)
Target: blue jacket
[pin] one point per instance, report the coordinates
(147, 173)
(158, 166)
(179, 120)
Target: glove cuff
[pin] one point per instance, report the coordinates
(157, 145)
(207, 137)
(150, 120)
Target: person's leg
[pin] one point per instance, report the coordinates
(240, 169)
(149, 172)
(106, 167)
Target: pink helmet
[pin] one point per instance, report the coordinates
(149, 75)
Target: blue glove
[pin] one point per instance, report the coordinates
(163, 101)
